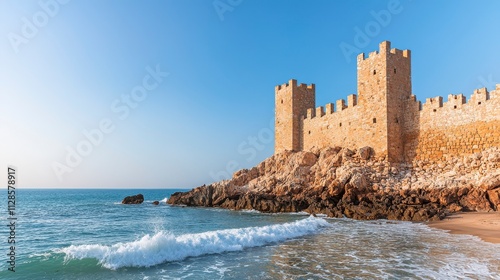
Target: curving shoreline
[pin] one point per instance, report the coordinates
(483, 225)
(340, 182)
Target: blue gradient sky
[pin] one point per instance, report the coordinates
(213, 113)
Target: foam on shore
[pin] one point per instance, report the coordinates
(164, 247)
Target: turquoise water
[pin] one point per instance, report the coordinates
(88, 234)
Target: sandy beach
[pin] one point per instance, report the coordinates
(483, 225)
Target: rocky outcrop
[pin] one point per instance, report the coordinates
(156, 202)
(339, 182)
(134, 199)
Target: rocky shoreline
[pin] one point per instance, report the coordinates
(340, 182)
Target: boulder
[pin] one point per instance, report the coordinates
(494, 197)
(476, 200)
(134, 199)
(307, 159)
(490, 182)
(156, 202)
(358, 181)
(347, 153)
(344, 174)
(365, 153)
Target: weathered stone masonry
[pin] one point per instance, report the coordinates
(386, 116)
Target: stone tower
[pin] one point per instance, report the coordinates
(291, 104)
(384, 86)
(385, 115)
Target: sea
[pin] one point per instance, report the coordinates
(89, 234)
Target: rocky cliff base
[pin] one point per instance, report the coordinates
(340, 182)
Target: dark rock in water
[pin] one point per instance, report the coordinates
(134, 199)
(156, 202)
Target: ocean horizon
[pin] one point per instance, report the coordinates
(89, 234)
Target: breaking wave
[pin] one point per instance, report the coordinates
(164, 247)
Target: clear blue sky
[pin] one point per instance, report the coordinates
(66, 67)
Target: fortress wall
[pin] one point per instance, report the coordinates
(350, 126)
(387, 116)
(454, 127)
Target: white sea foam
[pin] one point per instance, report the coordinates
(301, 213)
(163, 246)
(250, 211)
(322, 215)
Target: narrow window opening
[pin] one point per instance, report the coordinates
(340, 124)
(434, 110)
(374, 120)
(374, 72)
(394, 70)
(479, 103)
(309, 132)
(397, 121)
(455, 107)
(281, 101)
(456, 97)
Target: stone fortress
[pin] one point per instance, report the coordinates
(426, 160)
(386, 116)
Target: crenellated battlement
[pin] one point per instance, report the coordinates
(495, 93)
(384, 50)
(293, 84)
(385, 115)
(433, 104)
(455, 101)
(458, 101)
(479, 96)
(403, 53)
(330, 108)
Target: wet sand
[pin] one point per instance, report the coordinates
(483, 225)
